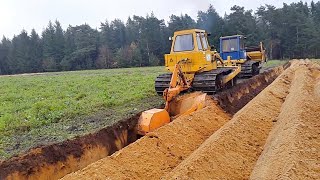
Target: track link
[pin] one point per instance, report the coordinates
(249, 69)
(162, 82)
(210, 82)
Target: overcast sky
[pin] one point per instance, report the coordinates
(16, 15)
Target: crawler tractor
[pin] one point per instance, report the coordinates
(232, 49)
(192, 65)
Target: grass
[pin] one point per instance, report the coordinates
(273, 63)
(55, 106)
(316, 60)
(29, 101)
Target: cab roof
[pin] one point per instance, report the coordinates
(233, 36)
(189, 31)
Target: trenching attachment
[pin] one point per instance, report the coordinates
(187, 104)
(153, 119)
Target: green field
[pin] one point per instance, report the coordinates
(51, 107)
(316, 60)
(274, 63)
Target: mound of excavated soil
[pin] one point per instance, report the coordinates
(232, 151)
(159, 152)
(292, 150)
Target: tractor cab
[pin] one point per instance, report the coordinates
(233, 46)
(191, 49)
(193, 40)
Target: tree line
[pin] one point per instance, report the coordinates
(287, 32)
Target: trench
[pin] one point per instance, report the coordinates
(57, 160)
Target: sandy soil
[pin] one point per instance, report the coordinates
(231, 152)
(158, 153)
(293, 147)
(280, 140)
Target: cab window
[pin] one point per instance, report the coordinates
(199, 42)
(229, 45)
(183, 43)
(241, 43)
(204, 41)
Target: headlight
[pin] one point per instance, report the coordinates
(208, 57)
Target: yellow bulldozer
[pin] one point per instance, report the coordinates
(192, 65)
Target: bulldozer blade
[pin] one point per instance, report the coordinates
(187, 104)
(152, 119)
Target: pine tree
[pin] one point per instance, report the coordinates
(5, 47)
(82, 42)
(19, 56)
(35, 63)
(59, 43)
(48, 37)
(211, 22)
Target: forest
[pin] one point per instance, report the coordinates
(287, 32)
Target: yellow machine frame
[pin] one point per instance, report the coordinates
(259, 56)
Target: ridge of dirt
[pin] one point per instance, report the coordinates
(292, 148)
(159, 152)
(232, 151)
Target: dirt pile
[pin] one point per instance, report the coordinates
(232, 151)
(285, 115)
(292, 150)
(159, 152)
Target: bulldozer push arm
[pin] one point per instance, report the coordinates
(155, 118)
(178, 84)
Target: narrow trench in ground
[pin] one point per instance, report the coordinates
(56, 160)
